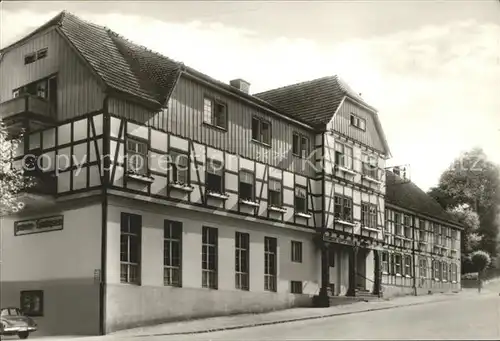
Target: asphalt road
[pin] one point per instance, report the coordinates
(468, 318)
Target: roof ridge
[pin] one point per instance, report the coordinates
(298, 83)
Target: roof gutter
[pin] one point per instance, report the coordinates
(252, 102)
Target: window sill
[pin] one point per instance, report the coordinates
(213, 126)
(343, 222)
(303, 215)
(399, 275)
(261, 143)
(454, 282)
(181, 187)
(277, 209)
(372, 229)
(216, 195)
(370, 179)
(407, 276)
(346, 170)
(385, 273)
(140, 177)
(422, 242)
(249, 203)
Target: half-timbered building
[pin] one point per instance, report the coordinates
(162, 193)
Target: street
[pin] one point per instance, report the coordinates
(464, 318)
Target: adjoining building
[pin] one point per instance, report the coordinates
(164, 194)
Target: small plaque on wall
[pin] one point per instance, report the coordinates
(45, 224)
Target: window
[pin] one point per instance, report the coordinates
(209, 257)
(179, 167)
(358, 122)
(41, 53)
(385, 262)
(398, 262)
(408, 225)
(436, 269)
(296, 287)
(397, 223)
(215, 176)
(215, 113)
(130, 248)
(29, 58)
(300, 145)
(247, 191)
(16, 93)
(270, 263)
(242, 255)
(445, 271)
(422, 267)
(343, 208)
(422, 235)
(296, 252)
(275, 198)
(407, 270)
(369, 215)
(137, 159)
(454, 272)
(343, 156)
(300, 199)
(369, 164)
(31, 303)
(261, 130)
(172, 253)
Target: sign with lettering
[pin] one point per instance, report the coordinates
(38, 225)
(342, 241)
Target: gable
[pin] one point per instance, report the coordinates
(372, 136)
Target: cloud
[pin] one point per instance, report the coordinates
(435, 87)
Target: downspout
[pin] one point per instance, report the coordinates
(414, 258)
(104, 215)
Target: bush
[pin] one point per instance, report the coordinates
(480, 260)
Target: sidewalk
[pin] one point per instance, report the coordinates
(290, 315)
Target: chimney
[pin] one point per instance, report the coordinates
(241, 85)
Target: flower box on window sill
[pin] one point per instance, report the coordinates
(437, 280)
(407, 276)
(277, 209)
(181, 187)
(372, 229)
(398, 275)
(445, 280)
(370, 179)
(140, 177)
(249, 202)
(385, 273)
(454, 250)
(303, 215)
(346, 170)
(217, 195)
(344, 222)
(454, 282)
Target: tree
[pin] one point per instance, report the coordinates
(12, 179)
(480, 260)
(474, 181)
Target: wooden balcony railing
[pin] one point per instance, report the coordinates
(26, 104)
(44, 183)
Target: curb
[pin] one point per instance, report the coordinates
(306, 318)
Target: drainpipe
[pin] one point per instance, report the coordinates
(414, 258)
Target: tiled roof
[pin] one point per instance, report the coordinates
(313, 101)
(407, 195)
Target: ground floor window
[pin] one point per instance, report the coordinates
(423, 267)
(296, 287)
(130, 248)
(270, 263)
(436, 270)
(385, 262)
(407, 263)
(454, 272)
(209, 257)
(172, 253)
(445, 271)
(242, 259)
(32, 302)
(398, 264)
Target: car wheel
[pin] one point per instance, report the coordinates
(23, 335)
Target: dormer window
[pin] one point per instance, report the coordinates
(358, 122)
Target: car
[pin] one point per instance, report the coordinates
(14, 322)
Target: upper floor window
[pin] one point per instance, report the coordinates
(369, 215)
(301, 199)
(261, 130)
(247, 190)
(215, 113)
(398, 226)
(343, 208)
(215, 176)
(137, 156)
(408, 226)
(179, 167)
(369, 164)
(358, 122)
(300, 145)
(275, 193)
(343, 155)
(34, 56)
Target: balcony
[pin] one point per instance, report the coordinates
(43, 191)
(37, 110)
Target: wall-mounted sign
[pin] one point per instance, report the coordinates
(38, 225)
(328, 237)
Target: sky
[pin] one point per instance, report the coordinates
(431, 68)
